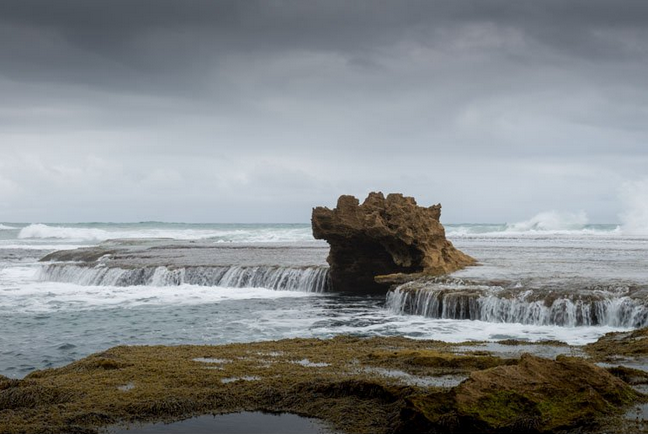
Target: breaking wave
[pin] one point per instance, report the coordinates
(613, 306)
(233, 233)
(551, 221)
(41, 231)
(305, 279)
(548, 223)
(6, 228)
(634, 196)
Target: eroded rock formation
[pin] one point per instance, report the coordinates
(384, 236)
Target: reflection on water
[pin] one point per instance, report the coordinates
(237, 423)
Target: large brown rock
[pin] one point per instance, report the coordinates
(383, 236)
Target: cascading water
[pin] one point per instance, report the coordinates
(614, 306)
(306, 279)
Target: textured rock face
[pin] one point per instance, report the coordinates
(535, 395)
(383, 236)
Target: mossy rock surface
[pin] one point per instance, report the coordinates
(615, 345)
(535, 395)
(345, 381)
(335, 380)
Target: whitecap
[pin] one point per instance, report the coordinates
(254, 235)
(551, 221)
(41, 231)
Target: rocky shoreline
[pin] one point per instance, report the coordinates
(375, 385)
(357, 385)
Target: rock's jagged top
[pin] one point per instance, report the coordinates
(384, 236)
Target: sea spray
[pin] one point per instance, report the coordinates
(551, 221)
(634, 196)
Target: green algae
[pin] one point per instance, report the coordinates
(535, 395)
(425, 362)
(504, 408)
(337, 385)
(171, 382)
(620, 344)
(629, 375)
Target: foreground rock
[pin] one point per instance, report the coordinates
(378, 385)
(384, 236)
(535, 395)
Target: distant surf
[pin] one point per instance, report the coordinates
(547, 223)
(97, 232)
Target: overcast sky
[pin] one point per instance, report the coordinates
(246, 111)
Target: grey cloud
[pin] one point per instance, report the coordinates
(472, 103)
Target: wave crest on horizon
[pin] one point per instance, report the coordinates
(546, 223)
(236, 234)
(551, 221)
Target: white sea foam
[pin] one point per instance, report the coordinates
(236, 234)
(634, 196)
(41, 231)
(6, 228)
(55, 296)
(40, 246)
(551, 221)
(386, 323)
(461, 331)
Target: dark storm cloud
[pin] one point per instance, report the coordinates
(124, 43)
(540, 103)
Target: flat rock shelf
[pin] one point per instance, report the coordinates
(354, 385)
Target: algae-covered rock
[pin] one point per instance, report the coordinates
(339, 380)
(384, 236)
(620, 344)
(536, 395)
(378, 385)
(433, 361)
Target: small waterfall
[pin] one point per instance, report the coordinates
(517, 305)
(307, 279)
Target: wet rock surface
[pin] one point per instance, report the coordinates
(151, 253)
(355, 385)
(384, 236)
(294, 267)
(621, 345)
(534, 395)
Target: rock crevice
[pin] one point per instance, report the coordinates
(382, 236)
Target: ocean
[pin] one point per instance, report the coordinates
(549, 278)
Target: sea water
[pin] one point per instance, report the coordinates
(265, 282)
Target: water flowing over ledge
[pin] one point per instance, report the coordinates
(305, 279)
(614, 306)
